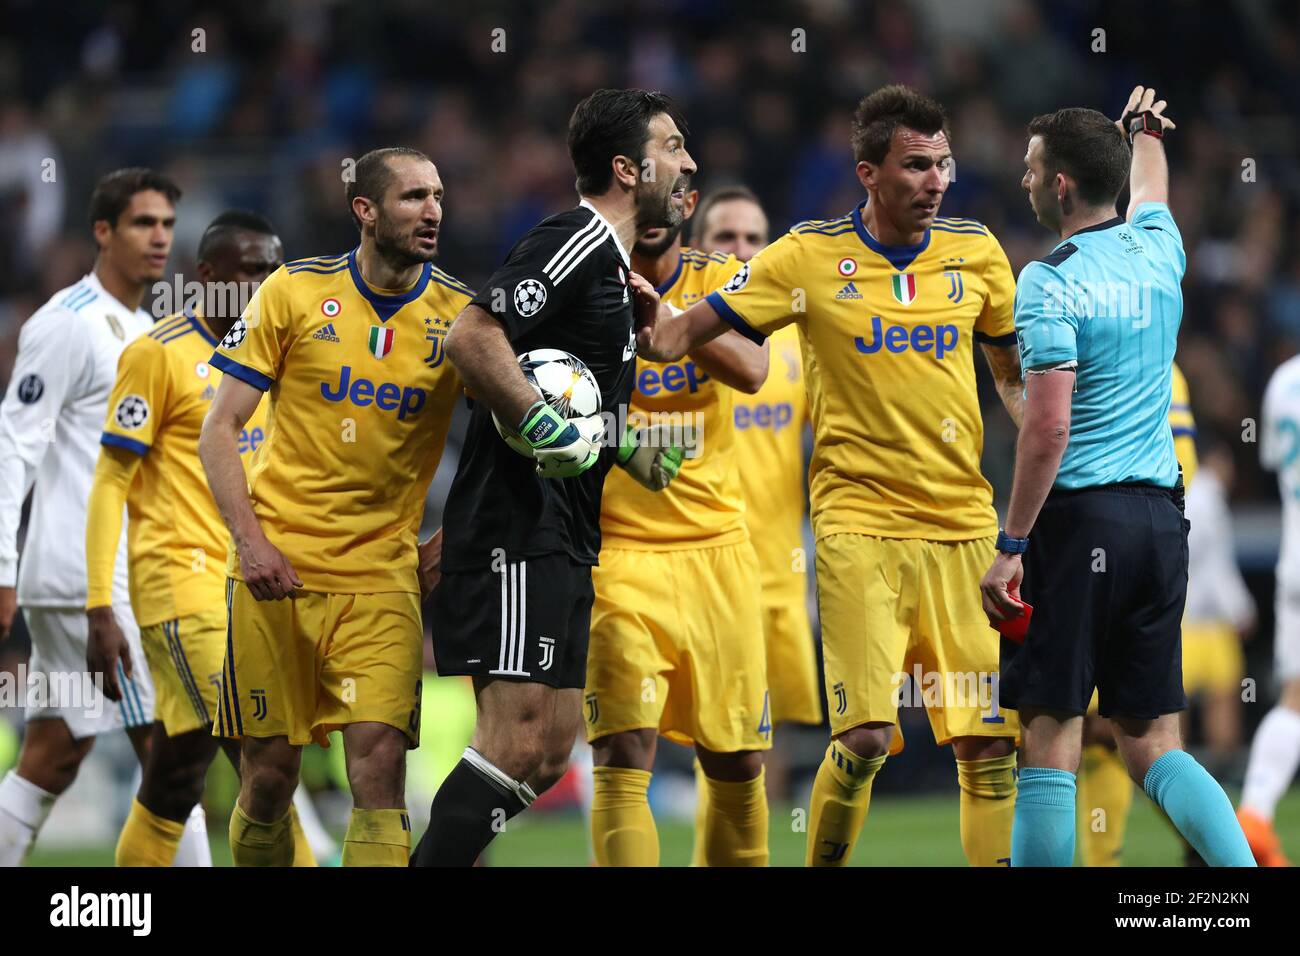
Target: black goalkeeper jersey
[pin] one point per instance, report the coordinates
(563, 286)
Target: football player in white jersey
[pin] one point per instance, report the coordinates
(1275, 751)
(50, 423)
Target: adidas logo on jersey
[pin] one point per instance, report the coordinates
(209, 394)
(326, 333)
(850, 291)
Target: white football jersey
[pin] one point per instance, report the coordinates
(1279, 450)
(50, 422)
(1216, 593)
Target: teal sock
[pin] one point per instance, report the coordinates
(1199, 808)
(1042, 831)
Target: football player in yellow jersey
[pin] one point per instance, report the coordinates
(1105, 788)
(676, 633)
(149, 462)
(323, 591)
(769, 442)
(903, 517)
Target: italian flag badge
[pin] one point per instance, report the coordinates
(904, 287)
(381, 341)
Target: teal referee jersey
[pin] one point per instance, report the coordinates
(1107, 302)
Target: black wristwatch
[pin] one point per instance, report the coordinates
(1009, 545)
(1144, 122)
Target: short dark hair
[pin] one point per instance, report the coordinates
(372, 174)
(890, 107)
(1089, 148)
(611, 123)
(717, 197)
(113, 192)
(226, 225)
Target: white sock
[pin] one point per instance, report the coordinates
(322, 844)
(23, 809)
(194, 848)
(1274, 755)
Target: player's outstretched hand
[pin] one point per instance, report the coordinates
(647, 312)
(106, 645)
(430, 564)
(562, 448)
(1143, 100)
(8, 610)
(268, 573)
(651, 455)
(1001, 581)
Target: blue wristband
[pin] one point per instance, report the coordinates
(1009, 545)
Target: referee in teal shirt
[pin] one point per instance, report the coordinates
(1095, 529)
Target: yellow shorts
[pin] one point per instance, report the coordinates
(897, 608)
(791, 663)
(677, 645)
(305, 667)
(1212, 658)
(184, 656)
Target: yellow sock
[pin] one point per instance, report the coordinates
(988, 804)
(735, 833)
(260, 844)
(1105, 795)
(302, 854)
(701, 814)
(147, 839)
(840, 797)
(377, 838)
(622, 827)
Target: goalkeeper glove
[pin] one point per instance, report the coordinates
(649, 456)
(562, 448)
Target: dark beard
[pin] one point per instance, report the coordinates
(391, 250)
(657, 212)
(653, 250)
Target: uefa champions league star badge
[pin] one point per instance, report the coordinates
(132, 412)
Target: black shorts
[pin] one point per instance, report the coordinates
(528, 621)
(1106, 573)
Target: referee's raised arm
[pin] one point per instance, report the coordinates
(1149, 173)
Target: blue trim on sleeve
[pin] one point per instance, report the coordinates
(121, 441)
(386, 306)
(734, 318)
(242, 372)
(900, 257)
(1181, 432)
(1008, 339)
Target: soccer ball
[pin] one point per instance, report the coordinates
(563, 381)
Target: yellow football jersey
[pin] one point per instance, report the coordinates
(888, 349)
(769, 446)
(1184, 426)
(176, 540)
(360, 401)
(703, 505)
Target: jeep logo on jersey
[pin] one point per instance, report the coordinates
(737, 282)
(30, 389)
(942, 339)
(671, 378)
(530, 296)
(132, 412)
(385, 396)
(235, 337)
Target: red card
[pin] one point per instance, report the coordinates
(1015, 629)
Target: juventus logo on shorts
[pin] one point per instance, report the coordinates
(259, 703)
(514, 608)
(841, 698)
(548, 652)
(593, 709)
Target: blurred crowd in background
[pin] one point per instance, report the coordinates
(258, 105)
